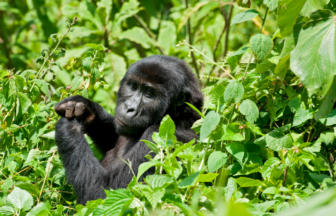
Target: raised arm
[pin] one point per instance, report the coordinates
(83, 170)
(98, 124)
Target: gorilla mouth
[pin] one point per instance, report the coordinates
(121, 122)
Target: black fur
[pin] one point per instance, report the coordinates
(173, 83)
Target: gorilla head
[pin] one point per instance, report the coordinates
(152, 88)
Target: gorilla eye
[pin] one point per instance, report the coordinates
(134, 86)
(149, 93)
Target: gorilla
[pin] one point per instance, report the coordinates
(151, 88)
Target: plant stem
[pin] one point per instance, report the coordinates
(210, 60)
(285, 175)
(45, 178)
(190, 42)
(262, 26)
(206, 151)
(49, 55)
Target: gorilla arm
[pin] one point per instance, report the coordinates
(83, 170)
(99, 124)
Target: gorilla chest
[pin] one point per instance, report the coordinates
(131, 151)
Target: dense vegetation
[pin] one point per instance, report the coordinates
(268, 126)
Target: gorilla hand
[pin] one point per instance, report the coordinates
(78, 106)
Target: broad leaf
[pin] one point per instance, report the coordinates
(261, 46)
(24, 103)
(137, 35)
(276, 140)
(154, 197)
(244, 16)
(238, 151)
(210, 122)
(288, 11)
(272, 4)
(250, 110)
(330, 119)
(151, 146)
(117, 202)
(40, 209)
(216, 160)
(7, 210)
(235, 90)
(158, 181)
(247, 182)
(190, 180)
(301, 116)
(313, 60)
(209, 177)
(313, 5)
(21, 199)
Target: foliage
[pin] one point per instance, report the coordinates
(267, 128)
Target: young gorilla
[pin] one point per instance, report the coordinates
(152, 88)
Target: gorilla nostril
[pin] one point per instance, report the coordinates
(130, 110)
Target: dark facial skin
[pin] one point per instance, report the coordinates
(131, 112)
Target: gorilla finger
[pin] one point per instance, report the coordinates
(70, 107)
(79, 109)
(60, 108)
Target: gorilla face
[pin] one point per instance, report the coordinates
(152, 88)
(140, 103)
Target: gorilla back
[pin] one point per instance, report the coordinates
(152, 88)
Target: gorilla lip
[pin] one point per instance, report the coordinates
(121, 122)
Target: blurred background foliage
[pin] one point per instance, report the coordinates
(129, 30)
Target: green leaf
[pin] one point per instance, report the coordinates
(238, 151)
(330, 119)
(209, 177)
(7, 210)
(154, 197)
(117, 202)
(210, 122)
(86, 62)
(21, 199)
(276, 140)
(328, 137)
(268, 166)
(145, 166)
(313, 5)
(151, 146)
(25, 103)
(194, 108)
(235, 90)
(137, 35)
(40, 209)
(43, 86)
(76, 83)
(301, 116)
(328, 101)
(14, 128)
(167, 127)
(247, 182)
(167, 35)
(216, 160)
(272, 4)
(232, 132)
(49, 135)
(250, 110)
(158, 181)
(190, 180)
(234, 58)
(261, 46)
(313, 60)
(288, 12)
(244, 16)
